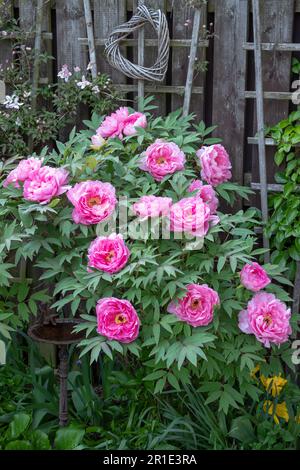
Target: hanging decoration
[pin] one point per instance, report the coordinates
(142, 16)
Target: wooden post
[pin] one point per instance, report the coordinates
(296, 292)
(229, 82)
(90, 35)
(70, 24)
(260, 120)
(141, 52)
(6, 13)
(191, 66)
(37, 52)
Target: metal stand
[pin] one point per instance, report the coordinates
(58, 331)
(63, 377)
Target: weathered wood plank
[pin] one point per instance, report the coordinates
(6, 12)
(192, 60)
(260, 121)
(90, 35)
(254, 141)
(231, 26)
(276, 188)
(70, 25)
(271, 95)
(182, 17)
(141, 60)
(277, 19)
(27, 10)
(151, 55)
(273, 46)
(107, 15)
(148, 42)
(173, 89)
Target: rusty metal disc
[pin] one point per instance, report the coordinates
(59, 333)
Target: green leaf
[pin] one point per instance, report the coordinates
(19, 425)
(242, 430)
(156, 332)
(22, 292)
(18, 445)
(155, 375)
(40, 440)
(160, 384)
(173, 381)
(68, 438)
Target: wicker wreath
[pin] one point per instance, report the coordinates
(158, 21)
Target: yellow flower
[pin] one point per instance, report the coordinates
(254, 372)
(281, 410)
(273, 384)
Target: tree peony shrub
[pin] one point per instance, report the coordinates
(171, 307)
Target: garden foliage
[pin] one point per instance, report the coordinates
(51, 227)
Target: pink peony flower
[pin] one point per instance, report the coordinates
(46, 184)
(215, 164)
(191, 215)
(109, 254)
(162, 158)
(97, 142)
(26, 169)
(207, 194)
(113, 125)
(134, 120)
(93, 201)
(267, 318)
(117, 320)
(254, 277)
(197, 307)
(152, 206)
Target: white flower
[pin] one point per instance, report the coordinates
(96, 89)
(12, 102)
(89, 66)
(84, 83)
(64, 73)
(26, 94)
(18, 122)
(77, 69)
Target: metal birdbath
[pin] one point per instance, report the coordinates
(58, 331)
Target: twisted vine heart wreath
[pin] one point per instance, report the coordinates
(142, 16)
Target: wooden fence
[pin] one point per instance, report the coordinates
(224, 94)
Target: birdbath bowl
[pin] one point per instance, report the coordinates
(58, 331)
